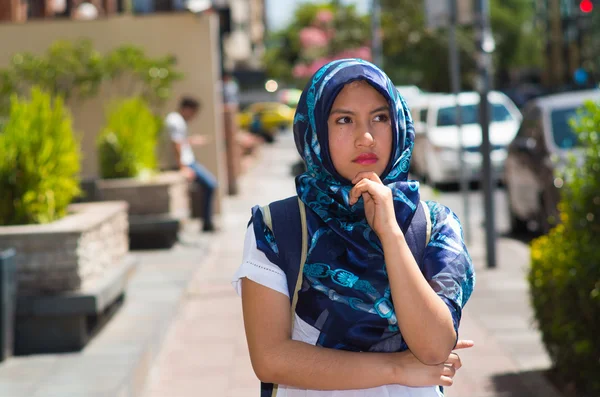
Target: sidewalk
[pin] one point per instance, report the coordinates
(205, 352)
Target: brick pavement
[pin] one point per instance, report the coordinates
(205, 352)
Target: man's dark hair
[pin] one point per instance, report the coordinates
(190, 103)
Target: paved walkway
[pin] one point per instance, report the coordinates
(205, 352)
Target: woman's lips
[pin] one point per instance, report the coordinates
(366, 159)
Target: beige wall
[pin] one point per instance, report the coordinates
(192, 39)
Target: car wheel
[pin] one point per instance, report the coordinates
(517, 225)
(268, 137)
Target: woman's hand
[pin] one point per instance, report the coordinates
(379, 203)
(414, 373)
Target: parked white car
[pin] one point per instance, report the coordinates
(436, 151)
(537, 157)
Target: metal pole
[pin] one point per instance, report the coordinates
(454, 57)
(376, 45)
(486, 47)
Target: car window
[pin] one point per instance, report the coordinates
(562, 133)
(470, 114)
(423, 115)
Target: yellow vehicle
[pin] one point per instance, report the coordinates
(266, 117)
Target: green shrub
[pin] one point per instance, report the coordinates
(132, 73)
(127, 145)
(76, 70)
(39, 161)
(565, 273)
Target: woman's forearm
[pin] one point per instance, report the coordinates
(305, 366)
(423, 318)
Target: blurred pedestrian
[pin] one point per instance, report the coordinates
(231, 90)
(362, 289)
(176, 124)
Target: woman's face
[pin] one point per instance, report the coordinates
(360, 131)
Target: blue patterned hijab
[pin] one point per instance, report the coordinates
(321, 187)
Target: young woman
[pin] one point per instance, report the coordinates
(369, 317)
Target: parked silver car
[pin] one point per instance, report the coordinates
(537, 156)
(437, 144)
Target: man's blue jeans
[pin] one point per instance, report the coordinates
(209, 183)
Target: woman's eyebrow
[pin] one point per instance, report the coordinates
(342, 111)
(381, 109)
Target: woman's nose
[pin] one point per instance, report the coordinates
(365, 138)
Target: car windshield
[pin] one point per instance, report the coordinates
(563, 134)
(470, 114)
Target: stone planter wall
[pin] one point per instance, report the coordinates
(165, 193)
(62, 255)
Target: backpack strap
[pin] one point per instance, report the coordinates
(419, 232)
(287, 220)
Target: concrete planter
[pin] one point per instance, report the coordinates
(156, 206)
(71, 276)
(8, 302)
(164, 193)
(62, 255)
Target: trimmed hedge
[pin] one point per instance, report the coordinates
(39, 161)
(565, 272)
(127, 145)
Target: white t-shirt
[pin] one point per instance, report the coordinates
(177, 128)
(257, 267)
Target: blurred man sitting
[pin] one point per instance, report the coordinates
(176, 124)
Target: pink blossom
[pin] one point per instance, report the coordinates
(300, 70)
(313, 37)
(324, 17)
(318, 64)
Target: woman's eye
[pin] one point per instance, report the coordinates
(384, 118)
(343, 120)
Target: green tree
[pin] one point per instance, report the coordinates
(346, 31)
(417, 55)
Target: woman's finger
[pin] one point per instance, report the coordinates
(364, 186)
(454, 360)
(464, 344)
(367, 175)
(449, 371)
(446, 381)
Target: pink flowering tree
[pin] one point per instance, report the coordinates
(319, 33)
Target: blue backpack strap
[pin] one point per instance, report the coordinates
(419, 232)
(289, 228)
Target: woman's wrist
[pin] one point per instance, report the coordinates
(392, 236)
(395, 368)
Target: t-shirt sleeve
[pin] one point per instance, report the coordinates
(175, 128)
(447, 265)
(258, 268)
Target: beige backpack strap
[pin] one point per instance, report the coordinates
(302, 258)
(267, 216)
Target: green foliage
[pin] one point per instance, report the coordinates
(284, 49)
(127, 145)
(76, 71)
(565, 272)
(39, 161)
(416, 55)
(67, 69)
(132, 73)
